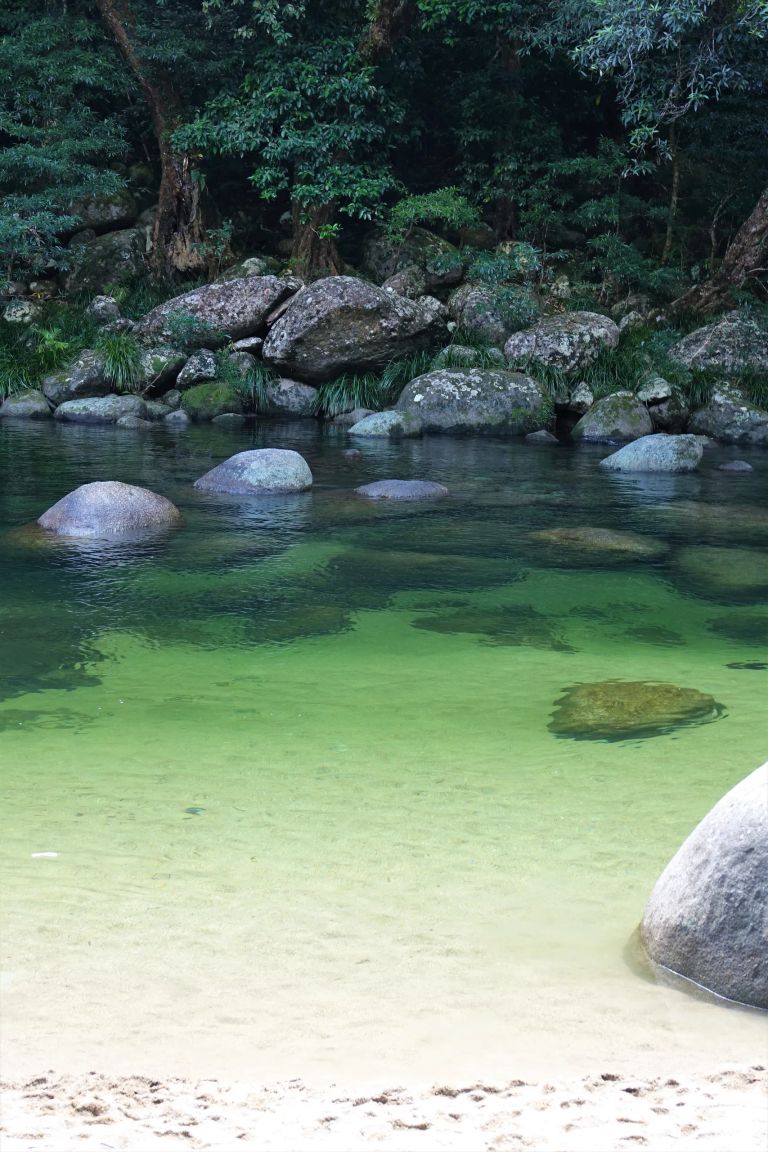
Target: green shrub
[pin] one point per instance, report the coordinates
(188, 332)
(446, 206)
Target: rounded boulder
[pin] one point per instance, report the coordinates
(109, 508)
(402, 490)
(259, 470)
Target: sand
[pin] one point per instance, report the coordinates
(726, 1111)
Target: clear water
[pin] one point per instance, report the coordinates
(264, 815)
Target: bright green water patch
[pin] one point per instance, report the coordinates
(293, 806)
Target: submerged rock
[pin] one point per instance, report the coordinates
(260, 470)
(624, 710)
(750, 630)
(514, 626)
(704, 521)
(402, 490)
(620, 416)
(600, 545)
(735, 466)
(30, 405)
(475, 400)
(568, 341)
(657, 453)
(375, 571)
(107, 508)
(706, 918)
(542, 437)
(728, 574)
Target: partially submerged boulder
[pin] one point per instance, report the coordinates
(615, 418)
(707, 917)
(402, 490)
(206, 401)
(475, 400)
(216, 312)
(30, 405)
(568, 341)
(259, 470)
(109, 508)
(656, 453)
(390, 424)
(729, 417)
(341, 324)
(735, 344)
(100, 409)
(624, 710)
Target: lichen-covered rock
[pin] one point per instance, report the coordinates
(106, 213)
(439, 261)
(391, 424)
(205, 401)
(475, 400)
(292, 399)
(260, 470)
(666, 404)
(707, 916)
(725, 574)
(100, 409)
(159, 367)
(104, 310)
(409, 281)
(85, 376)
(569, 341)
(216, 312)
(108, 508)
(113, 259)
(177, 419)
(599, 545)
(618, 417)
(30, 405)
(22, 312)
(733, 345)
(172, 399)
(402, 490)
(624, 710)
(354, 416)
(492, 314)
(200, 366)
(657, 453)
(156, 410)
(729, 417)
(341, 324)
(251, 266)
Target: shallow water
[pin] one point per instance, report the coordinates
(280, 795)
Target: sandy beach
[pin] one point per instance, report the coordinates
(726, 1111)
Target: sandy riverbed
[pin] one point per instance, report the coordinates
(726, 1111)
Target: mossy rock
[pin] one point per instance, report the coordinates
(625, 710)
(212, 398)
(727, 574)
(596, 546)
(514, 626)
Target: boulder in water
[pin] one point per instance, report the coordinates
(625, 710)
(618, 417)
(101, 409)
(707, 916)
(390, 424)
(475, 400)
(259, 470)
(656, 453)
(109, 508)
(30, 405)
(599, 545)
(725, 574)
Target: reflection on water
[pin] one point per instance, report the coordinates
(314, 785)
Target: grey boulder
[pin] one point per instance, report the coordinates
(101, 409)
(216, 312)
(439, 262)
(108, 508)
(728, 416)
(568, 341)
(733, 345)
(104, 310)
(390, 424)
(707, 918)
(106, 213)
(402, 490)
(100, 262)
(30, 405)
(85, 376)
(731, 466)
(178, 418)
(290, 398)
(347, 419)
(620, 416)
(656, 453)
(541, 437)
(259, 470)
(200, 366)
(342, 324)
(479, 309)
(474, 400)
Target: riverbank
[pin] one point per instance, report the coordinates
(600, 1113)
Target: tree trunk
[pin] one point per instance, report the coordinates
(743, 259)
(674, 197)
(179, 234)
(314, 254)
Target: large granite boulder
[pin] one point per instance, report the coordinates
(85, 376)
(707, 918)
(390, 424)
(100, 409)
(733, 345)
(728, 416)
(108, 508)
(200, 366)
(260, 470)
(656, 453)
(438, 261)
(402, 490)
(292, 399)
(341, 324)
(104, 261)
(492, 314)
(618, 417)
(216, 312)
(31, 405)
(475, 400)
(569, 341)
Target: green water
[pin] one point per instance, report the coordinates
(271, 805)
